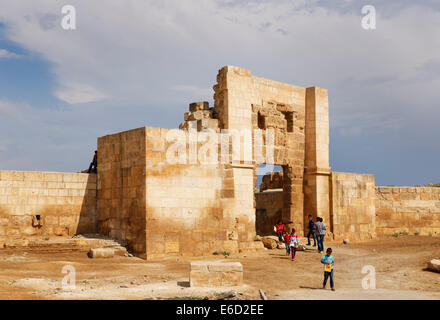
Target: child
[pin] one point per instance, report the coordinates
(294, 241)
(280, 228)
(328, 262)
(287, 242)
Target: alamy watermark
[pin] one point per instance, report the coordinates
(369, 281)
(368, 21)
(69, 281)
(68, 21)
(209, 147)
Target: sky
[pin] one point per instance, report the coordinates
(133, 63)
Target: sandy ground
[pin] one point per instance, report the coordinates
(399, 265)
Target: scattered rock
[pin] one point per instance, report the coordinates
(226, 295)
(346, 241)
(269, 243)
(281, 246)
(434, 265)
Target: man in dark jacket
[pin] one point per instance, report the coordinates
(94, 164)
(312, 231)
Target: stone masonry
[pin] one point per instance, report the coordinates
(169, 192)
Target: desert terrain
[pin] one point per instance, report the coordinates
(400, 265)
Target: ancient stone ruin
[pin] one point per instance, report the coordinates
(193, 191)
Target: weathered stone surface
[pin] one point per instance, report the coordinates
(407, 209)
(34, 203)
(16, 243)
(61, 231)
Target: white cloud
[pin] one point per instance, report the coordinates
(8, 55)
(144, 56)
(75, 93)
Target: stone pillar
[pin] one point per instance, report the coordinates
(317, 169)
(292, 213)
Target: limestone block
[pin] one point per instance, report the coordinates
(221, 266)
(206, 123)
(197, 115)
(215, 274)
(101, 253)
(196, 106)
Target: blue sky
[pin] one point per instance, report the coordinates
(136, 63)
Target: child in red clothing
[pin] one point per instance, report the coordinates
(287, 242)
(294, 241)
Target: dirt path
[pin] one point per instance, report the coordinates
(399, 264)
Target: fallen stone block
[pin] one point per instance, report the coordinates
(434, 265)
(16, 243)
(281, 246)
(216, 274)
(101, 253)
(269, 243)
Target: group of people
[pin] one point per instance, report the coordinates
(317, 230)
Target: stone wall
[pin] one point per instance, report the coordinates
(164, 208)
(195, 208)
(121, 187)
(46, 204)
(352, 206)
(408, 209)
(269, 207)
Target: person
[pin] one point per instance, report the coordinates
(328, 261)
(94, 164)
(287, 242)
(320, 228)
(280, 228)
(312, 232)
(294, 241)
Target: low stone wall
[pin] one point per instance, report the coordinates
(408, 209)
(46, 203)
(352, 205)
(216, 274)
(269, 207)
